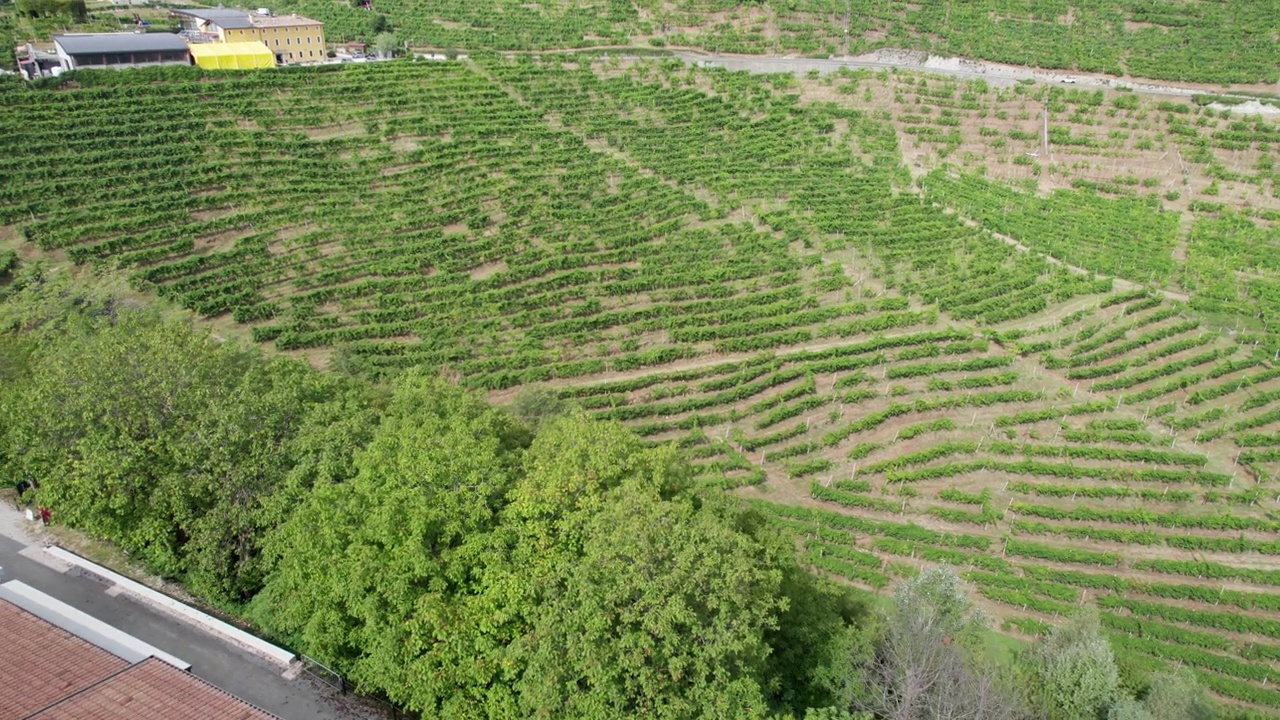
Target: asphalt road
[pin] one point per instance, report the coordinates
(238, 672)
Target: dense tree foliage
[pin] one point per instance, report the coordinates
(162, 439)
(576, 576)
(1073, 670)
(429, 546)
(372, 574)
(75, 10)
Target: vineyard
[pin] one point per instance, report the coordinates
(1063, 394)
(450, 225)
(1179, 195)
(1168, 41)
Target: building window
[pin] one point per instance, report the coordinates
(286, 41)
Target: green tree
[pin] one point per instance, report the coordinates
(324, 449)
(1126, 708)
(623, 567)
(824, 635)
(466, 575)
(1178, 695)
(928, 663)
(663, 614)
(385, 44)
(536, 404)
(648, 598)
(36, 307)
(138, 429)
(238, 456)
(380, 575)
(572, 465)
(99, 421)
(1074, 670)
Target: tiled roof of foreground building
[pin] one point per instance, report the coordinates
(51, 674)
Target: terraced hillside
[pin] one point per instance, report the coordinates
(438, 219)
(725, 262)
(1067, 152)
(1171, 40)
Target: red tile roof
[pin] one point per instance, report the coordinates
(51, 674)
(153, 690)
(41, 664)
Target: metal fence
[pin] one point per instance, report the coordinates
(322, 674)
(330, 678)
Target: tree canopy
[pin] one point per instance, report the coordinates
(1073, 670)
(466, 572)
(140, 430)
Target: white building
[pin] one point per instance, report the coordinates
(120, 50)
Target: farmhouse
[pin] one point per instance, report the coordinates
(120, 50)
(291, 38)
(211, 25)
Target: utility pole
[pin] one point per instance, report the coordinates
(846, 26)
(1047, 158)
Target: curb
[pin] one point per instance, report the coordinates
(179, 610)
(85, 626)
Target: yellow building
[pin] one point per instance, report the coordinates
(232, 55)
(291, 38)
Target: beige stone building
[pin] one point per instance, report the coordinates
(291, 38)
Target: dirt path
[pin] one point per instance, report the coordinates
(1185, 222)
(998, 74)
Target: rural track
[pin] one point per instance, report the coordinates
(920, 61)
(998, 74)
